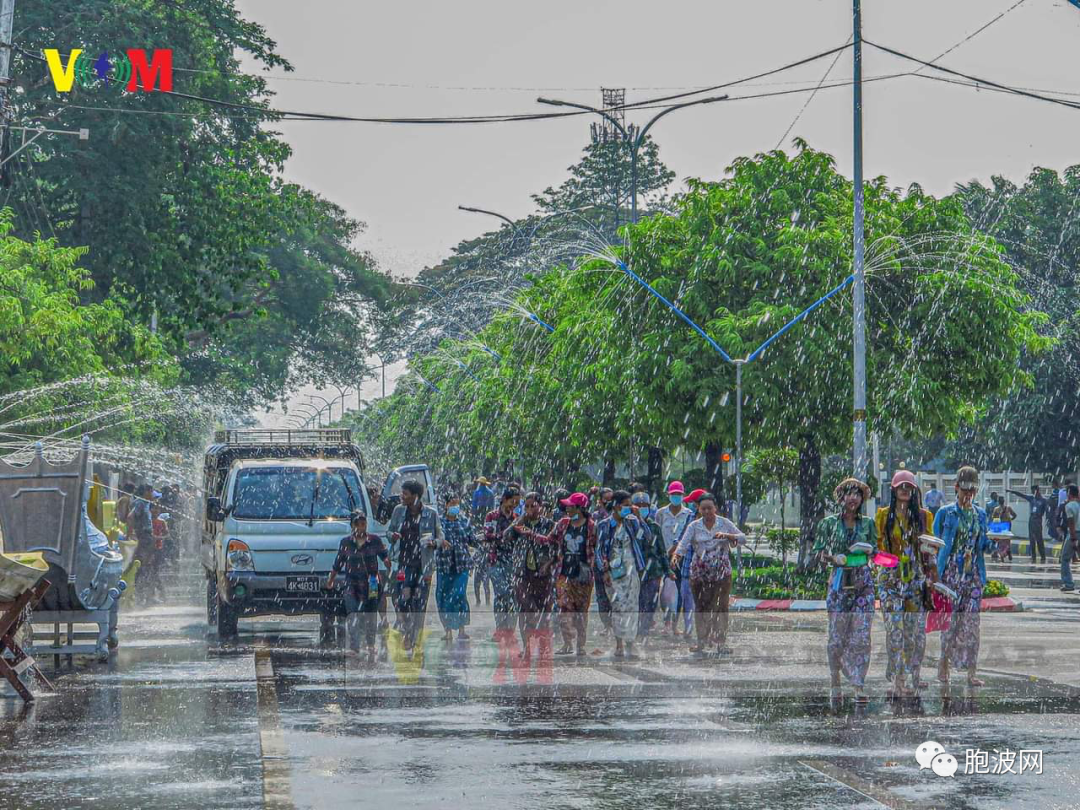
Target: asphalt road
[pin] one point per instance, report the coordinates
(273, 720)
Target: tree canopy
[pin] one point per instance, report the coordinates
(741, 257)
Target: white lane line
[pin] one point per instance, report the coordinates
(864, 788)
(277, 785)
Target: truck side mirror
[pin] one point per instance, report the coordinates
(214, 512)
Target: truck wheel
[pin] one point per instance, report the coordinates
(211, 601)
(226, 620)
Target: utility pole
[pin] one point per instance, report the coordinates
(859, 342)
(7, 19)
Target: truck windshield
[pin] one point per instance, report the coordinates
(288, 493)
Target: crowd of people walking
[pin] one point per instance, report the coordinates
(543, 563)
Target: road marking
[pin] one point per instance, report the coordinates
(277, 787)
(861, 786)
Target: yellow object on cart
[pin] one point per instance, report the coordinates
(19, 572)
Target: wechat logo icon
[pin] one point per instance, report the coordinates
(933, 755)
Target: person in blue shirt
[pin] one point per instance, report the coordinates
(962, 527)
(1039, 506)
(483, 499)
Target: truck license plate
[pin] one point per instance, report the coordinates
(302, 584)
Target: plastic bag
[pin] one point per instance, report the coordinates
(669, 595)
(940, 617)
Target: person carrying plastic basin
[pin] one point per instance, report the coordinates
(902, 588)
(847, 539)
(962, 528)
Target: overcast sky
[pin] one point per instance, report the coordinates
(410, 58)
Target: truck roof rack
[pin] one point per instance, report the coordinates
(258, 437)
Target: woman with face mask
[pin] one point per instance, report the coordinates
(574, 542)
(453, 559)
(534, 577)
(501, 562)
(621, 559)
(711, 536)
(961, 561)
(657, 566)
(847, 539)
(902, 590)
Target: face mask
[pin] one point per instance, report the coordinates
(626, 511)
(453, 511)
(676, 500)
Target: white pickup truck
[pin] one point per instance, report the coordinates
(277, 506)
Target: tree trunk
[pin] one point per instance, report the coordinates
(783, 519)
(609, 472)
(714, 471)
(809, 499)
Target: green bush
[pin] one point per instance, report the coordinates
(778, 582)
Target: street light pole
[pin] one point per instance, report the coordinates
(738, 442)
(859, 341)
(634, 136)
(327, 403)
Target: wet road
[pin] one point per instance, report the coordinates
(275, 721)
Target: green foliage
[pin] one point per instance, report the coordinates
(741, 257)
(782, 541)
(1038, 225)
(180, 201)
(778, 582)
(46, 334)
(600, 184)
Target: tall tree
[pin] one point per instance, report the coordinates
(1038, 225)
(179, 200)
(742, 257)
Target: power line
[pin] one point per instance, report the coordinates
(473, 119)
(986, 82)
(799, 114)
(975, 33)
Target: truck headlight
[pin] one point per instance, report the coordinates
(238, 557)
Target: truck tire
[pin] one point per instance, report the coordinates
(211, 601)
(226, 620)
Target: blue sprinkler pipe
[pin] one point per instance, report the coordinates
(675, 309)
(432, 386)
(466, 369)
(757, 352)
(534, 318)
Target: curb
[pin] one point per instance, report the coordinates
(999, 604)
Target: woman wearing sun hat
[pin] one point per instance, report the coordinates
(962, 528)
(902, 589)
(847, 539)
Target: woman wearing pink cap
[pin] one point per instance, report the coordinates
(574, 541)
(902, 590)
